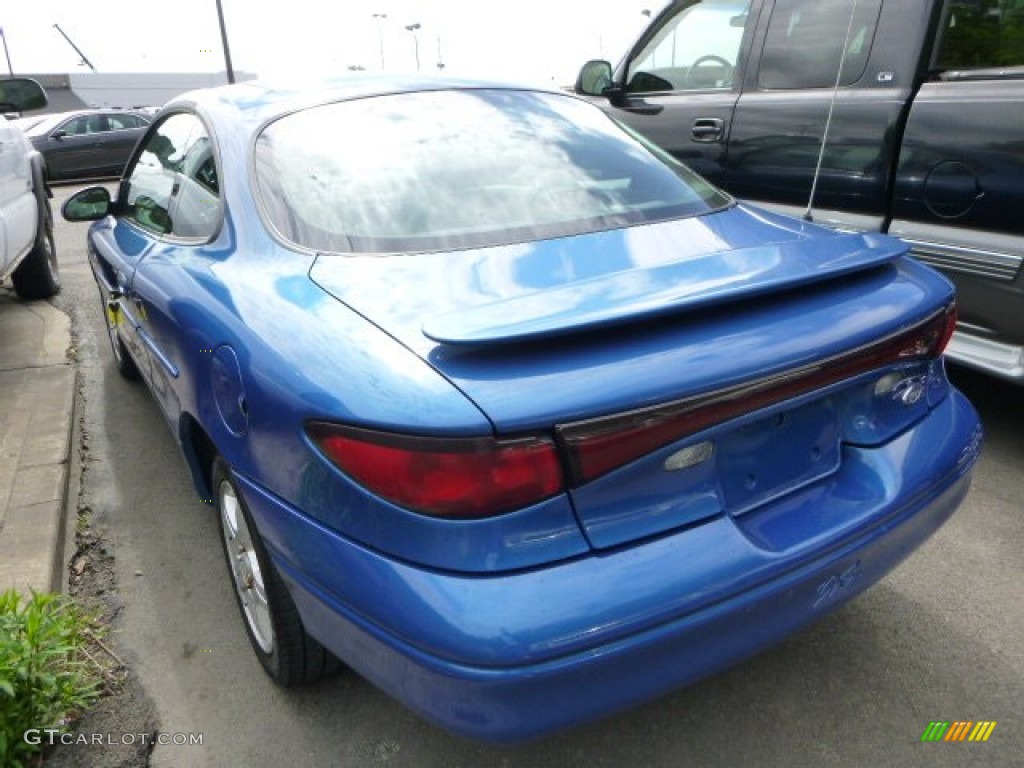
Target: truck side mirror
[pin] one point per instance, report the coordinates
(20, 94)
(595, 78)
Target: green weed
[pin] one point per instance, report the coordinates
(45, 674)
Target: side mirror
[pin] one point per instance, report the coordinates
(595, 78)
(20, 94)
(90, 204)
(58, 135)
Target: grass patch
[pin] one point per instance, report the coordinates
(47, 675)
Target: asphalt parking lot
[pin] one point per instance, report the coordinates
(939, 639)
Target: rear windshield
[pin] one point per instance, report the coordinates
(441, 170)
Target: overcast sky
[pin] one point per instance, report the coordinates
(539, 41)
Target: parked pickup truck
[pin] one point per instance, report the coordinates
(904, 116)
(27, 252)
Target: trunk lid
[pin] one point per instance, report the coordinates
(555, 335)
(522, 329)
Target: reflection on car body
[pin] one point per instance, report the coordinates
(86, 143)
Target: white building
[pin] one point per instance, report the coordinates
(78, 90)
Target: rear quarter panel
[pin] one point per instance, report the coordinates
(959, 183)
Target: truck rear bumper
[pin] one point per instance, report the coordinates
(992, 357)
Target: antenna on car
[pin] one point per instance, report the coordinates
(828, 120)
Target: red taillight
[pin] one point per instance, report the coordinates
(947, 331)
(447, 477)
(598, 446)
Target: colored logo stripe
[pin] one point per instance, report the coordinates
(982, 731)
(958, 730)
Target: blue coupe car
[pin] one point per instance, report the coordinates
(507, 410)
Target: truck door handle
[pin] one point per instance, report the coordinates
(642, 108)
(708, 129)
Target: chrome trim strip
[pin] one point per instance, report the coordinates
(1004, 361)
(995, 255)
(1000, 266)
(155, 350)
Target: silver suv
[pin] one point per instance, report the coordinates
(27, 252)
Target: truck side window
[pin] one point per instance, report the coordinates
(695, 50)
(982, 34)
(804, 43)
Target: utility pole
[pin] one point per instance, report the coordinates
(62, 34)
(224, 43)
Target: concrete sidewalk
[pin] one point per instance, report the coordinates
(37, 396)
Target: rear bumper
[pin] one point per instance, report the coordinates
(987, 355)
(512, 656)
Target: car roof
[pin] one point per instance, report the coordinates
(46, 123)
(243, 108)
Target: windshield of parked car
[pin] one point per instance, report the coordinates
(450, 169)
(28, 123)
(39, 125)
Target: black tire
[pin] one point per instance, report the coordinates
(37, 277)
(288, 654)
(122, 359)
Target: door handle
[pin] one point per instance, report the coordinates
(708, 129)
(646, 109)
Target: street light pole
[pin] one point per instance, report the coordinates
(380, 17)
(416, 41)
(224, 43)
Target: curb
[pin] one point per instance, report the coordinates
(38, 396)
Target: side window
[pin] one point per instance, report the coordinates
(804, 43)
(79, 126)
(197, 205)
(695, 50)
(983, 34)
(121, 122)
(173, 187)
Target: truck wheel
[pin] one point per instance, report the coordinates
(287, 653)
(37, 277)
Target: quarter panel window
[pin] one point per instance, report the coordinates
(695, 50)
(197, 200)
(983, 34)
(804, 43)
